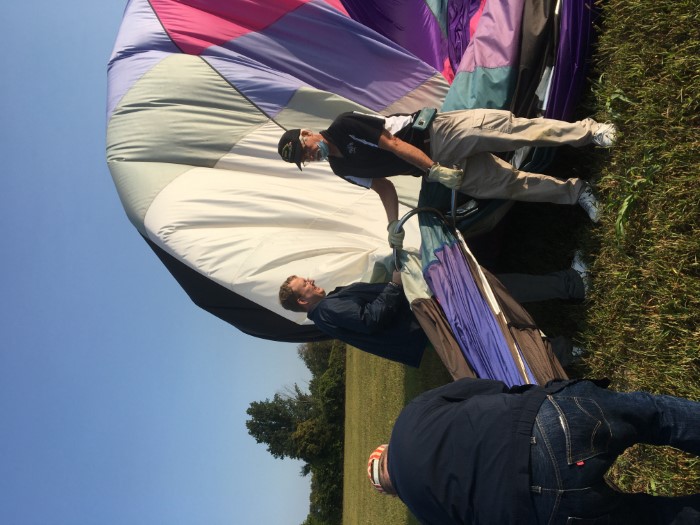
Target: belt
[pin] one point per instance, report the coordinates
(426, 146)
(422, 140)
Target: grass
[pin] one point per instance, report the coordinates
(641, 323)
(643, 320)
(374, 396)
(376, 390)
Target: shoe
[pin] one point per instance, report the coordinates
(468, 208)
(604, 134)
(588, 201)
(581, 268)
(577, 352)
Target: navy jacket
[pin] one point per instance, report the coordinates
(461, 453)
(375, 318)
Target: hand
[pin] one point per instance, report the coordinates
(396, 278)
(452, 178)
(395, 238)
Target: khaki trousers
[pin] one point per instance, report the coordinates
(466, 138)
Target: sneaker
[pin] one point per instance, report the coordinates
(588, 201)
(581, 268)
(604, 134)
(577, 352)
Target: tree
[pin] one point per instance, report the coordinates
(315, 356)
(275, 421)
(310, 427)
(312, 439)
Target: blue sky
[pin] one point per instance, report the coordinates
(120, 401)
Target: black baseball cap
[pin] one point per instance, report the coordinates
(290, 147)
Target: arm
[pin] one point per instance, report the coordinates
(405, 151)
(450, 177)
(387, 194)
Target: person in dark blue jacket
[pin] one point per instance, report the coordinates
(475, 451)
(373, 317)
(376, 317)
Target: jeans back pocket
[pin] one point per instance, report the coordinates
(586, 429)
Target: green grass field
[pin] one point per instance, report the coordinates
(376, 390)
(641, 323)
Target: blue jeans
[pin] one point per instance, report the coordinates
(578, 434)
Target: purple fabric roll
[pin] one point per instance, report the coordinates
(472, 321)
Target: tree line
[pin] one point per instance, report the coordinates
(310, 427)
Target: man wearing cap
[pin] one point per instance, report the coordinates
(365, 149)
(475, 451)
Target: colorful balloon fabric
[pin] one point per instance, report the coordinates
(199, 93)
(201, 90)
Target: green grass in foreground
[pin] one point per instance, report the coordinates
(641, 323)
(376, 390)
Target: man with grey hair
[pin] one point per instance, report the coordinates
(475, 451)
